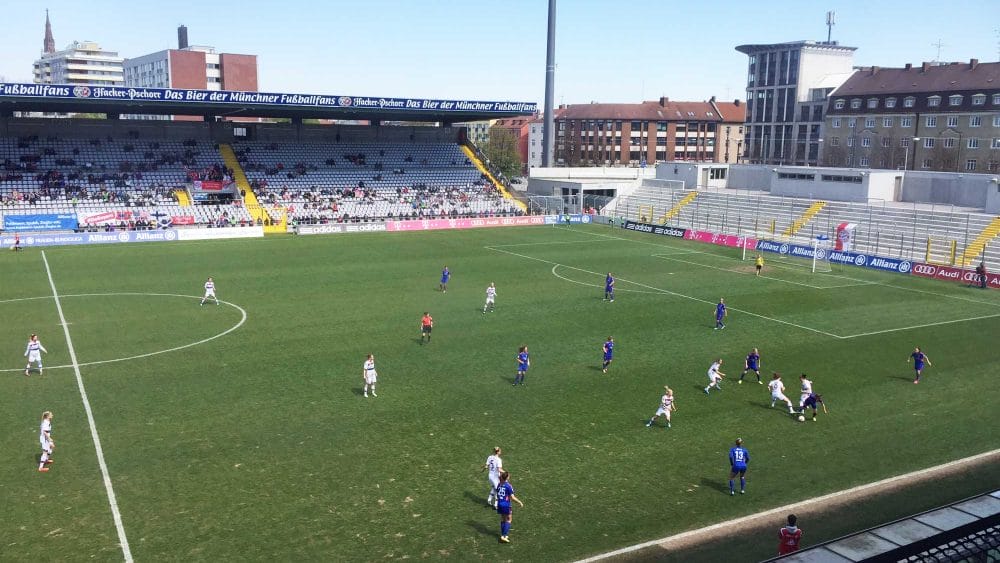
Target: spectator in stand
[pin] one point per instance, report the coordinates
(981, 274)
(789, 537)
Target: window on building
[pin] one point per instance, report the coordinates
(948, 142)
(635, 126)
(929, 143)
(955, 100)
(890, 103)
(906, 122)
(239, 131)
(931, 121)
(886, 122)
(934, 101)
(996, 99)
(869, 122)
(872, 103)
(852, 122)
(836, 122)
(904, 142)
(661, 125)
(855, 103)
(995, 144)
(909, 102)
(973, 143)
(926, 163)
(866, 141)
(976, 121)
(834, 141)
(863, 161)
(717, 174)
(952, 121)
(970, 165)
(886, 142)
(839, 104)
(850, 141)
(979, 99)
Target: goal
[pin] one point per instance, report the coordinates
(799, 252)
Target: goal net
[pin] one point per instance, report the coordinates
(798, 252)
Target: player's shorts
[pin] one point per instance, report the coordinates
(803, 398)
(371, 377)
(444, 280)
(739, 469)
(46, 445)
(918, 366)
(758, 266)
(779, 397)
(523, 368)
(608, 289)
(494, 482)
(503, 508)
(426, 329)
(490, 300)
(714, 377)
(752, 367)
(34, 356)
(807, 402)
(210, 293)
(608, 357)
(664, 411)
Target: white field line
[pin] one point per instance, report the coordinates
(554, 273)
(664, 257)
(545, 243)
(112, 500)
(782, 510)
(243, 319)
(667, 292)
(839, 276)
(921, 326)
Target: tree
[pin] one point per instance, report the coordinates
(501, 150)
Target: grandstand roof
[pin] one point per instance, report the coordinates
(68, 98)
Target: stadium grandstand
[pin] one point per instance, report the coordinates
(116, 174)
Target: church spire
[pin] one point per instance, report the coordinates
(49, 44)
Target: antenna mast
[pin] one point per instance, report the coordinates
(831, 20)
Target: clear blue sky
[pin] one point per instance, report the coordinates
(607, 51)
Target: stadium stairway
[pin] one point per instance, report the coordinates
(183, 198)
(976, 247)
(804, 218)
(257, 211)
(676, 209)
(482, 168)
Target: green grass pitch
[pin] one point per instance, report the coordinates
(257, 444)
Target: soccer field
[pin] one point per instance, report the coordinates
(239, 431)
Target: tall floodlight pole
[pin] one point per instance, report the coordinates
(548, 130)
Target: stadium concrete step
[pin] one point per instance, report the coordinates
(804, 218)
(676, 209)
(977, 246)
(183, 198)
(471, 155)
(256, 210)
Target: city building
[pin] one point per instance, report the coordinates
(82, 62)
(518, 127)
(478, 132)
(191, 67)
(535, 137)
(787, 89)
(943, 117)
(648, 132)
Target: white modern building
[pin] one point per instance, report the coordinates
(787, 89)
(82, 62)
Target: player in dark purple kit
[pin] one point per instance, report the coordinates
(609, 288)
(811, 401)
(505, 494)
(919, 359)
(720, 314)
(609, 353)
(752, 364)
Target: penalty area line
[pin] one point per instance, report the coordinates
(782, 510)
(112, 499)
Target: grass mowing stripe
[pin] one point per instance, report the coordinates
(921, 326)
(116, 514)
(709, 530)
(673, 293)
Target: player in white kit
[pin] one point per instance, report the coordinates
(715, 376)
(494, 464)
(370, 375)
(807, 389)
(491, 296)
(34, 354)
(777, 389)
(209, 292)
(45, 437)
(666, 405)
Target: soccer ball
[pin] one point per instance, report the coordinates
(802, 418)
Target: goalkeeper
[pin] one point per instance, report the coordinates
(758, 264)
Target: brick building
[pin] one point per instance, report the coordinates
(649, 132)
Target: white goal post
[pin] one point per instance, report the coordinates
(811, 253)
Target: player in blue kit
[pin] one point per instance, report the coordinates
(609, 288)
(505, 494)
(919, 359)
(609, 353)
(445, 276)
(523, 363)
(739, 457)
(720, 314)
(752, 364)
(811, 401)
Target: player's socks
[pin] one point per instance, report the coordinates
(743, 484)
(706, 390)
(505, 529)
(732, 488)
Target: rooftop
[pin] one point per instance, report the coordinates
(928, 77)
(759, 47)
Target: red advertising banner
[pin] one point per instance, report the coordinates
(212, 185)
(721, 240)
(106, 218)
(435, 224)
(954, 274)
(182, 219)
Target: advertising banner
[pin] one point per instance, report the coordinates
(567, 219)
(654, 229)
(838, 257)
(182, 219)
(960, 275)
(719, 239)
(106, 218)
(334, 228)
(845, 236)
(220, 233)
(40, 222)
(91, 238)
(435, 224)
